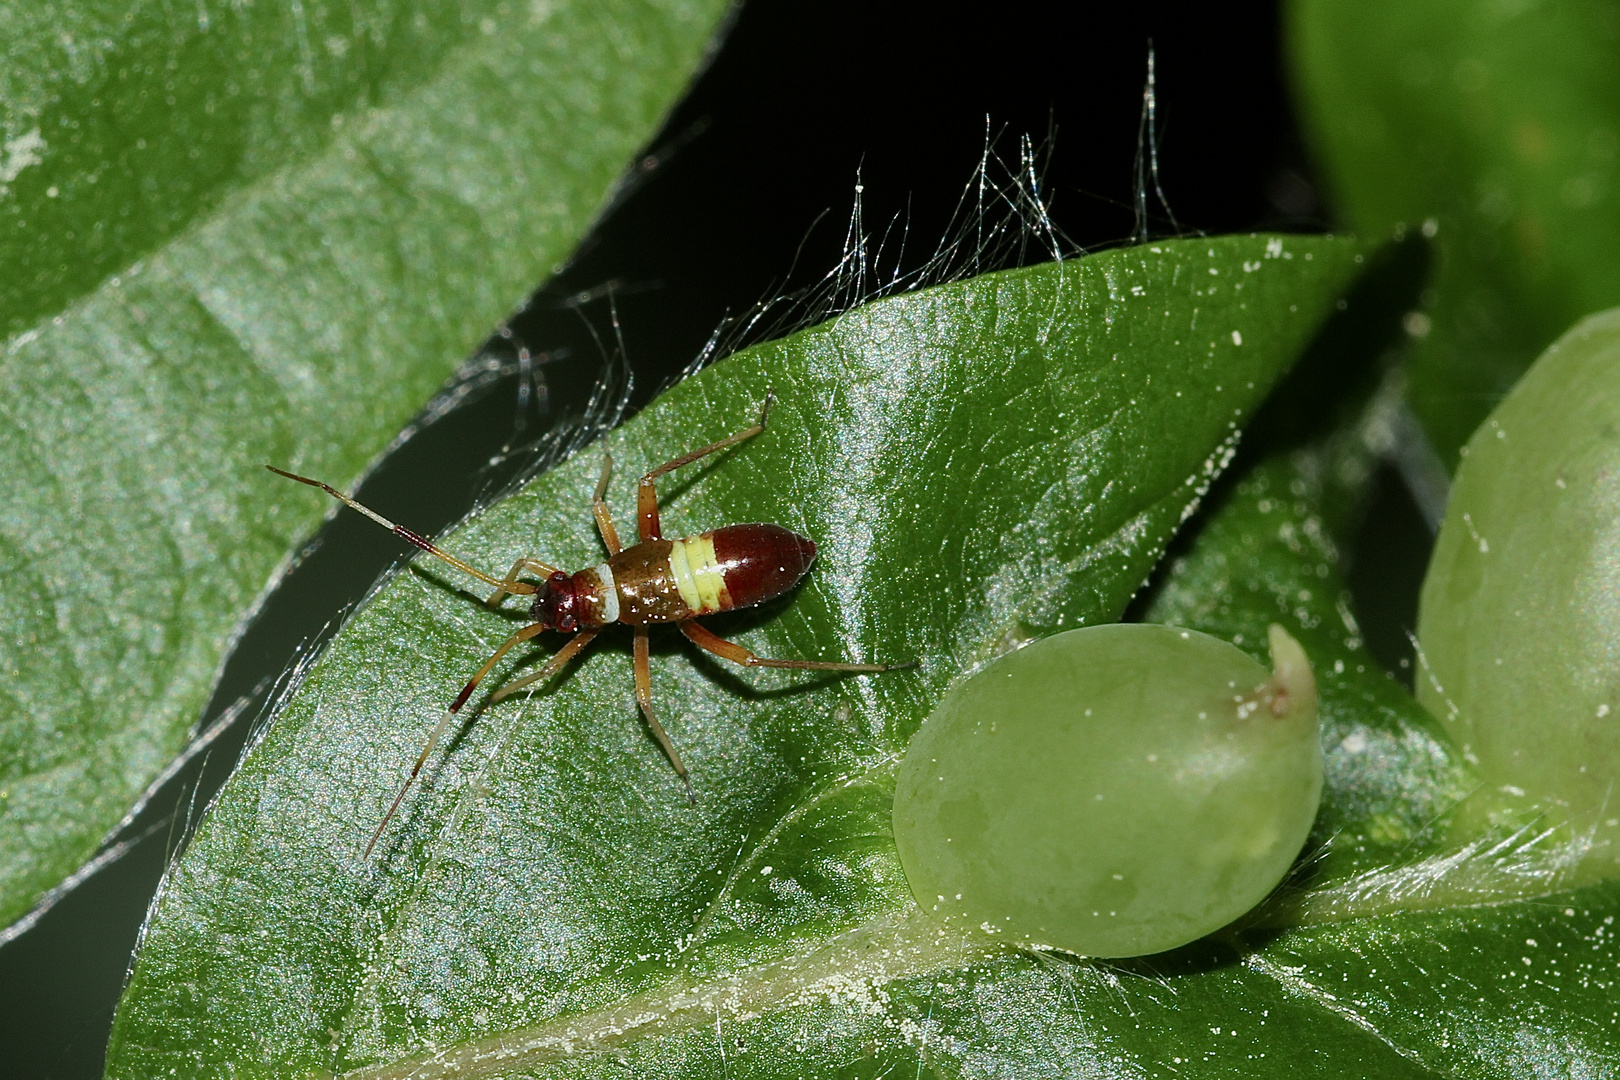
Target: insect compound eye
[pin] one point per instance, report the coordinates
(1111, 791)
(1519, 619)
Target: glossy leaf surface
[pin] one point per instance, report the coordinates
(258, 233)
(1517, 978)
(978, 463)
(1499, 124)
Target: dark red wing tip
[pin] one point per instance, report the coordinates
(807, 549)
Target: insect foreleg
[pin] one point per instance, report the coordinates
(510, 583)
(558, 660)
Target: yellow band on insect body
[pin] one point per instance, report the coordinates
(698, 574)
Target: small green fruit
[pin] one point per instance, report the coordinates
(1111, 791)
(1520, 614)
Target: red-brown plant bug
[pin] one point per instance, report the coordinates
(653, 581)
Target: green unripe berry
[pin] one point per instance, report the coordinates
(1112, 791)
(1520, 613)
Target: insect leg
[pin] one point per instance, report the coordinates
(705, 639)
(550, 667)
(644, 699)
(444, 724)
(599, 506)
(519, 587)
(647, 497)
(533, 566)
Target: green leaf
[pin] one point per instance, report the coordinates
(1499, 124)
(308, 221)
(1509, 989)
(979, 463)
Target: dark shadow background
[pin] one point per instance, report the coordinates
(754, 173)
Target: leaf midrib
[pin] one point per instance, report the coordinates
(902, 944)
(850, 967)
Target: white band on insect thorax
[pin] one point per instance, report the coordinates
(610, 593)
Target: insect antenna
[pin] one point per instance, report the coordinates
(393, 807)
(519, 587)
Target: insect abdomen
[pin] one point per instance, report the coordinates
(732, 567)
(758, 562)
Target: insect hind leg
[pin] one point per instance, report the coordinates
(709, 641)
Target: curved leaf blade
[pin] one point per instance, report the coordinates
(124, 121)
(321, 292)
(979, 463)
(1499, 124)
